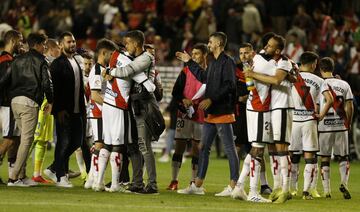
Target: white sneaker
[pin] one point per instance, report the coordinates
(98, 187)
(226, 192)
(239, 193)
(164, 159)
(89, 182)
(29, 182)
(257, 198)
(18, 183)
(51, 175)
(192, 189)
(64, 182)
(114, 188)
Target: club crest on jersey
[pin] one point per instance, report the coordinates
(111, 92)
(118, 63)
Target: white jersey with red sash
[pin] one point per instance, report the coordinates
(305, 94)
(259, 98)
(96, 83)
(335, 119)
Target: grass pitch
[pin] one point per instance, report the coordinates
(51, 198)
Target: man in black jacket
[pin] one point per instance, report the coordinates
(69, 108)
(30, 80)
(218, 103)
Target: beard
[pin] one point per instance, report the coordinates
(70, 50)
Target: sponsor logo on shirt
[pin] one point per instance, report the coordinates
(334, 122)
(111, 92)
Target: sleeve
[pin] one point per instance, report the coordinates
(284, 65)
(47, 84)
(56, 76)
(141, 78)
(5, 74)
(228, 85)
(95, 80)
(179, 86)
(349, 94)
(139, 64)
(324, 87)
(198, 72)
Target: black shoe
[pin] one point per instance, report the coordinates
(108, 185)
(148, 190)
(265, 190)
(134, 189)
(345, 191)
(73, 174)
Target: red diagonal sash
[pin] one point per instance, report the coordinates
(304, 93)
(338, 107)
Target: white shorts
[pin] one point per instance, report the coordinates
(116, 125)
(97, 129)
(258, 126)
(304, 136)
(281, 122)
(336, 141)
(188, 129)
(9, 126)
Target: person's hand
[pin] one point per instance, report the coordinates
(205, 104)
(187, 102)
(47, 108)
(62, 115)
(106, 76)
(183, 56)
(320, 116)
(249, 72)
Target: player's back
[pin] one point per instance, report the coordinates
(335, 119)
(305, 95)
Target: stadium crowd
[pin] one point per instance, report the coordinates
(253, 71)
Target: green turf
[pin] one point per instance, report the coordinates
(51, 198)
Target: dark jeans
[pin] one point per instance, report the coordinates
(69, 138)
(225, 133)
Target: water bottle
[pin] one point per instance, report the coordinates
(248, 80)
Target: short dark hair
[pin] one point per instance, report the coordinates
(265, 39)
(308, 58)
(105, 44)
(202, 47)
(280, 40)
(221, 36)
(246, 45)
(64, 34)
(87, 55)
(35, 38)
(326, 64)
(137, 36)
(10, 35)
(51, 43)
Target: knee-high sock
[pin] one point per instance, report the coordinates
(115, 162)
(81, 163)
(294, 176)
(316, 176)
(40, 150)
(344, 168)
(325, 176)
(285, 167)
(194, 167)
(176, 165)
(275, 170)
(244, 171)
(255, 167)
(95, 163)
(263, 179)
(309, 173)
(103, 159)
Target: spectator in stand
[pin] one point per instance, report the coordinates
(294, 49)
(251, 21)
(205, 25)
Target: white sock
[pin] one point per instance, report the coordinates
(115, 162)
(91, 171)
(325, 178)
(285, 167)
(102, 162)
(315, 179)
(255, 167)
(80, 161)
(344, 168)
(244, 171)
(275, 170)
(294, 176)
(309, 172)
(95, 164)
